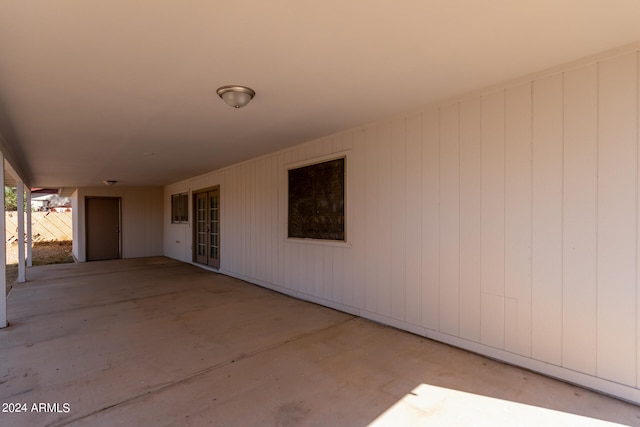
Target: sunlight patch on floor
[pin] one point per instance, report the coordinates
(437, 406)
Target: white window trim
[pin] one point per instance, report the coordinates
(173, 221)
(345, 154)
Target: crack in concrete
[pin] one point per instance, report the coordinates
(189, 378)
(34, 282)
(120, 301)
(104, 304)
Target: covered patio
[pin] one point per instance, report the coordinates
(154, 341)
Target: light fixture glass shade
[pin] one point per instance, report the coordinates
(236, 96)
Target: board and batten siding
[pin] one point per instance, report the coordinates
(504, 222)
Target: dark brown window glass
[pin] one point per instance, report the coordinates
(316, 201)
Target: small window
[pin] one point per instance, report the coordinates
(316, 201)
(179, 208)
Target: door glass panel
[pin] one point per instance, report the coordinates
(214, 212)
(202, 227)
(207, 230)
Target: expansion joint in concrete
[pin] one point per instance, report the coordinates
(205, 371)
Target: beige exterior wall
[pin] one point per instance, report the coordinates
(141, 227)
(504, 222)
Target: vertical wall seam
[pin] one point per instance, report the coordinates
(370, 145)
(562, 171)
(504, 219)
(458, 107)
(481, 201)
(365, 219)
(532, 165)
(406, 202)
(597, 230)
(439, 110)
(637, 204)
(421, 215)
(377, 185)
(378, 301)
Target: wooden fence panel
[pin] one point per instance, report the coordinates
(46, 226)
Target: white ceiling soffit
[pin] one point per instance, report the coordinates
(126, 90)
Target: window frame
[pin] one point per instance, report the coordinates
(310, 162)
(180, 202)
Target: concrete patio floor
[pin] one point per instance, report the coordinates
(156, 342)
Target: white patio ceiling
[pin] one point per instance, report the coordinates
(125, 90)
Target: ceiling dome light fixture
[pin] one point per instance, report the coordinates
(236, 96)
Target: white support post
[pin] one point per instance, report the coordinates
(29, 230)
(22, 276)
(3, 254)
